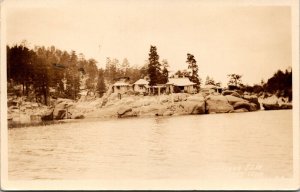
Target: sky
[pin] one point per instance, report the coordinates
(254, 41)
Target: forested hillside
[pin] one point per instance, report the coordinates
(40, 72)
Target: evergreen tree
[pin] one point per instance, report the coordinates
(192, 65)
(91, 71)
(101, 84)
(19, 66)
(111, 69)
(154, 66)
(235, 80)
(42, 74)
(281, 84)
(39, 69)
(73, 77)
(182, 73)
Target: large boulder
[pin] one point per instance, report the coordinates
(193, 107)
(168, 113)
(230, 92)
(58, 109)
(35, 118)
(241, 110)
(161, 111)
(123, 110)
(252, 99)
(177, 97)
(61, 114)
(197, 98)
(130, 114)
(164, 98)
(144, 101)
(232, 99)
(218, 104)
(269, 106)
(61, 108)
(47, 116)
(245, 105)
(276, 106)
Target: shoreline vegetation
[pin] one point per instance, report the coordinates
(49, 86)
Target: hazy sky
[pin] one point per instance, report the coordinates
(254, 41)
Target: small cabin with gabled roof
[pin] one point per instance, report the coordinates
(141, 86)
(121, 85)
(180, 85)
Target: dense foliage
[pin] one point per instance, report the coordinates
(44, 72)
(41, 68)
(41, 72)
(192, 65)
(279, 84)
(154, 65)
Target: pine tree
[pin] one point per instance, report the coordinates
(91, 71)
(73, 77)
(154, 66)
(101, 84)
(192, 65)
(235, 79)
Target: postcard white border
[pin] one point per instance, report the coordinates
(249, 184)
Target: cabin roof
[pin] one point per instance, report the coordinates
(141, 82)
(180, 82)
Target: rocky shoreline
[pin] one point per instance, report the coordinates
(111, 106)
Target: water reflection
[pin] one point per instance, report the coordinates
(157, 142)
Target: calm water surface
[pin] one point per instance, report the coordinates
(244, 145)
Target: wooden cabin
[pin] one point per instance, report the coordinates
(141, 86)
(180, 85)
(121, 85)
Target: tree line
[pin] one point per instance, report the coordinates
(280, 84)
(158, 72)
(43, 72)
(47, 71)
(40, 70)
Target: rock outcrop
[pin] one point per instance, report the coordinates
(252, 99)
(244, 105)
(232, 99)
(230, 92)
(218, 104)
(193, 107)
(123, 110)
(61, 109)
(241, 110)
(276, 106)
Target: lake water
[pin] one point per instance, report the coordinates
(240, 145)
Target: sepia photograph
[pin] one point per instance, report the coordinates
(149, 94)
